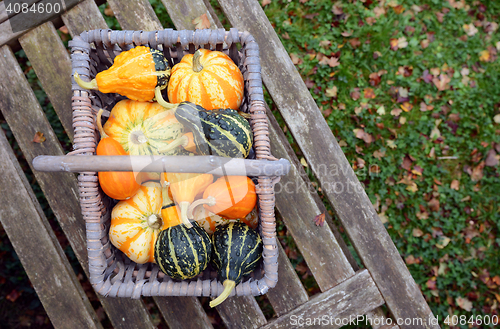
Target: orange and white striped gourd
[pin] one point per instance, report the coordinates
(136, 223)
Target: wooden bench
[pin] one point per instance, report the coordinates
(347, 289)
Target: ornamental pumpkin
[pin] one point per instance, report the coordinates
(120, 185)
(183, 253)
(222, 132)
(230, 197)
(237, 251)
(138, 74)
(207, 78)
(136, 223)
(185, 187)
(142, 128)
(170, 213)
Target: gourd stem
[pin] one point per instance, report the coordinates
(197, 67)
(181, 141)
(163, 102)
(228, 287)
(184, 205)
(85, 85)
(211, 201)
(154, 221)
(99, 124)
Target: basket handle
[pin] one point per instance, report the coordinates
(155, 163)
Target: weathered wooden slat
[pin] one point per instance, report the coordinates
(135, 15)
(3, 13)
(329, 164)
(9, 37)
(334, 308)
(182, 13)
(82, 17)
(25, 117)
(289, 291)
(241, 312)
(52, 65)
(38, 249)
(183, 312)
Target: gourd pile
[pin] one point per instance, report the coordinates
(180, 221)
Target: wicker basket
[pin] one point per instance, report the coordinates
(111, 272)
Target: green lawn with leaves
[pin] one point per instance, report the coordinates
(411, 91)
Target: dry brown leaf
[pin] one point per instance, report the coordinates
(434, 204)
(202, 22)
(464, 303)
(379, 154)
(441, 82)
(108, 11)
(331, 92)
(417, 232)
(296, 60)
(355, 43)
(406, 106)
(368, 93)
(355, 94)
(13, 295)
(411, 260)
(394, 44)
(477, 172)
(265, 2)
(39, 137)
(319, 220)
(492, 158)
(470, 29)
(361, 134)
(455, 184)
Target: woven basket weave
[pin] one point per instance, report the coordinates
(111, 272)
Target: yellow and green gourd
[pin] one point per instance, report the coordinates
(222, 132)
(181, 252)
(237, 251)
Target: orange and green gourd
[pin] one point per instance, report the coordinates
(143, 128)
(208, 78)
(140, 74)
(137, 222)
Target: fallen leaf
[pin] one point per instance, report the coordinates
(337, 8)
(379, 11)
(319, 220)
(374, 79)
(333, 61)
(431, 283)
(346, 33)
(434, 204)
(39, 137)
(303, 162)
(424, 43)
(391, 143)
(406, 107)
(368, 93)
(13, 295)
(443, 241)
(470, 29)
(435, 133)
(402, 42)
(108, 11)
(295, 59)
(325, 43)
(331, 92)
(496, 118)
(398, 9)
(355, 43)
(355, 94)
(64, 29)
(477, 172)
(381, 110)
(361, 134)
(265, 2)
(484, 56)
(441, 82)
(412, 260)
(394, 44)
(464, 303)
(379, 154)
(417, 232)
(422, 215)
(202, 22)
(455, 185)
(492, 159)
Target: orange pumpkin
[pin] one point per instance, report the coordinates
(207, 78)
(230, 197)
(120, 185)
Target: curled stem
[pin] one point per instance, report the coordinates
(163, 102)
(228, 287)
(211, 201)
(197, 67)
(99, 124)
(85, 85)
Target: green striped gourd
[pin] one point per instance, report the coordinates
(222, 132)
(237, 251)
(181, 252)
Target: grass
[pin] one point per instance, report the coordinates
(410, 90)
